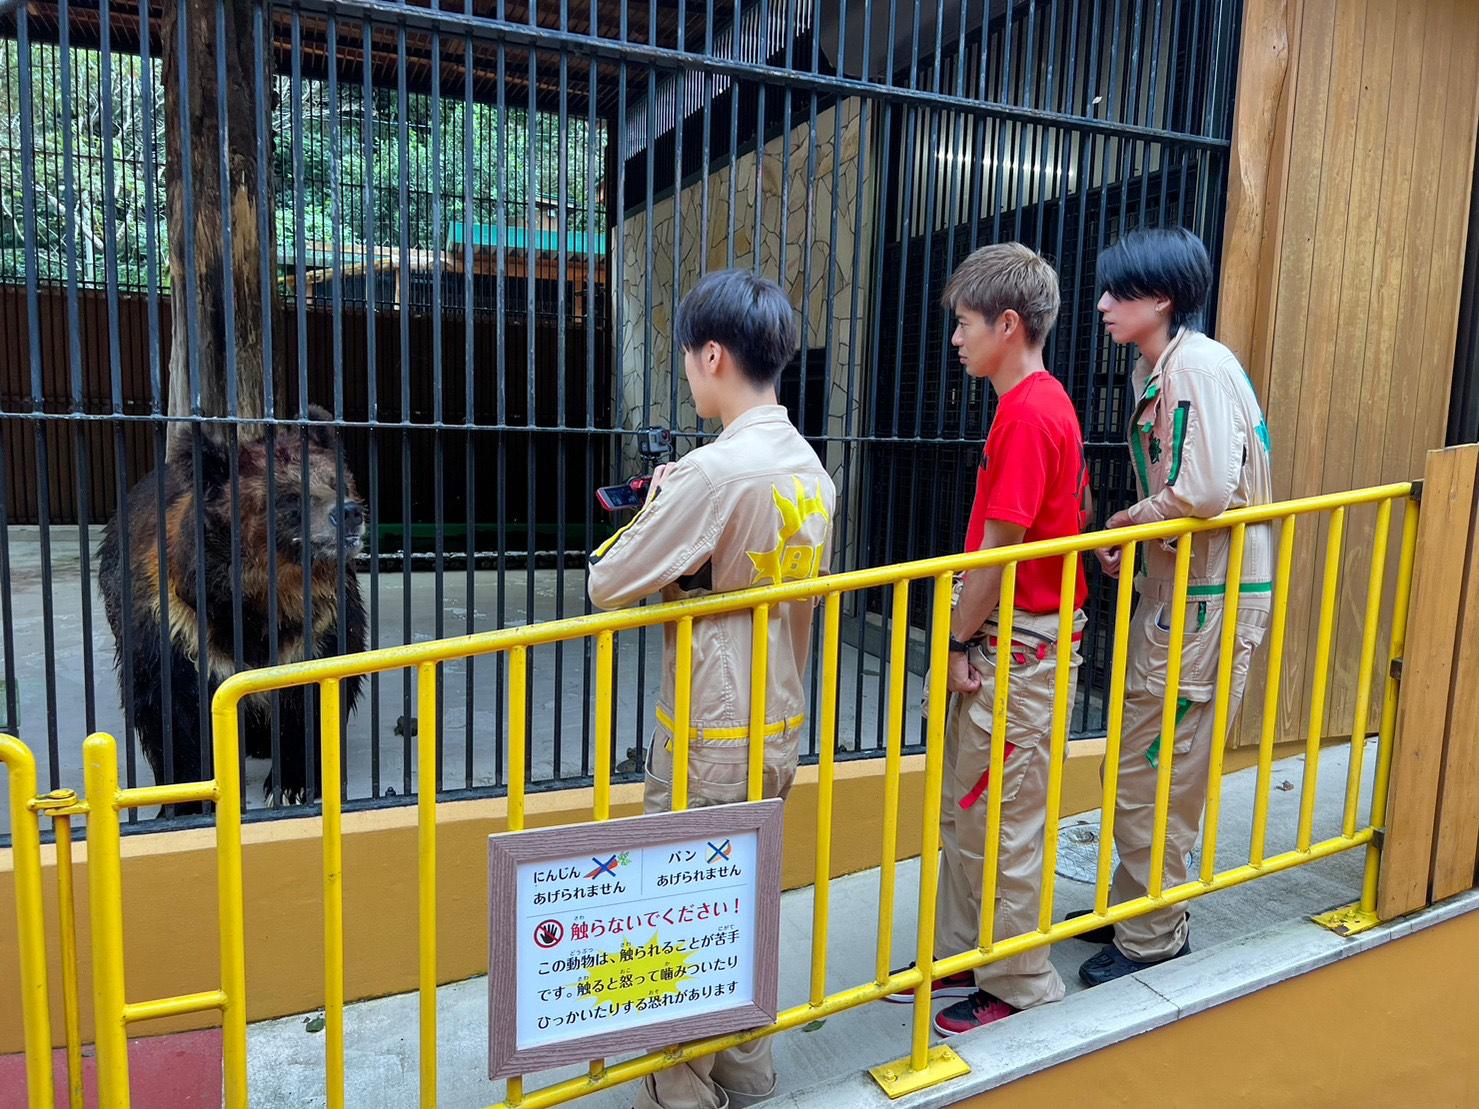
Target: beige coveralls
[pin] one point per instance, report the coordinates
(1028, 979)
(754, 507)
(1200, 447)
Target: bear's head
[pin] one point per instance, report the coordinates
(313, 500)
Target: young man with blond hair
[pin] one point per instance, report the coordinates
(1031, 485)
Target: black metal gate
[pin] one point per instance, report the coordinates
(478, 219)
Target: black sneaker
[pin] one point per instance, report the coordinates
(1112, 963)
(954, 985)
(1101, 935)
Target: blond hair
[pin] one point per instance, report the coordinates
(1007, 275)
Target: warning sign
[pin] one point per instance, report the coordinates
(638, 933)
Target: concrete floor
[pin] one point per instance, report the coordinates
(285, 1060)
(79, 691)
(60, 703)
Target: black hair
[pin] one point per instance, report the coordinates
(1160, 262)
(745, 314)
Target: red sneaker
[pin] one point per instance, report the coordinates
(976, 1011)
(955, 985)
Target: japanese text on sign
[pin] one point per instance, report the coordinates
(615, 940)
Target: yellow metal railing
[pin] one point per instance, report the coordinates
(105, 799)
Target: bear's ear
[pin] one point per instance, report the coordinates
(321, 434)
(215, 461)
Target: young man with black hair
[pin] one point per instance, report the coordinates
(754, 507)
(1031, 485)
(1199, 446)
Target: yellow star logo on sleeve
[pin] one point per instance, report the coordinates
(786, 561)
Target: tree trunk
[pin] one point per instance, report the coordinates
(199, 338)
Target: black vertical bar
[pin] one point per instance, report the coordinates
(788, 26)
(1193, 54)
(501, 353)
(469, 385)
(999, 126)
(618, 209)
(228, 302)
(705, 161)
(156, 379)
(33, 319)
(336, 185)
(841, 534)
(591, 311)
(889, 160)
(372, 379)
(81, 459)
(403, 274)
(192, 333)
(763, 52)
(531, 327)
(1027, 98)
(807, 242)
(12, 699)
(736, 31)
(438, 438)
(1144, 112)
(675, 356)
(649, 153)
(115, 380)
(1087, 144)
(300, 263)
(562, 437)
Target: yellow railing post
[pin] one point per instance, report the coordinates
(996, 760)
(1115, 726)
(1277, 623)
(426, 849)
(1361, 721)
(826, 756)
(923, 1067)
(602, 735)
(934, 774)
(1221, 699)
(682, 712)
(226, 745)
(66, 891)
(105, 901)
(1329, 597)
(1056, 746)
(333, 886)
(25, 842)
(1169, 719)
(1393, 686)
(759, 677)
(894, 737)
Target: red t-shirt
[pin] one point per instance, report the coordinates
(1033, 474)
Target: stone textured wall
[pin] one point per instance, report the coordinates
(647, 328)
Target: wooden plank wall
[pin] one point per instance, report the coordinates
(1347, 213)
(1432, 827)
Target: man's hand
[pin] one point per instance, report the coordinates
(658, 476)
(1109, 557)
(962, 676)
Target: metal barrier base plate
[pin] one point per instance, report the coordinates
(1347, 921)
(898, 1079)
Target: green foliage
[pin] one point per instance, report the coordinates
(335, 166)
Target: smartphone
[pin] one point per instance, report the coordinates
(629, 495)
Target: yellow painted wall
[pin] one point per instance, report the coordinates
(170, 944)
(1396, 1026)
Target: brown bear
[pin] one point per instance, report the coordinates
(321, 514)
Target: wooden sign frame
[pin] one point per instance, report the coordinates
(509, 851)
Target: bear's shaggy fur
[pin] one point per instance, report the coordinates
(316, 514)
